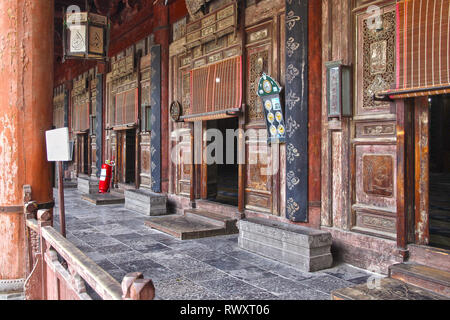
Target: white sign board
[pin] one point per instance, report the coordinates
(58, 146)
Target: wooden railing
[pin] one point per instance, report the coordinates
(58, 270)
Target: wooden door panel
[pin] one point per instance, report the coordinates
(374, 145)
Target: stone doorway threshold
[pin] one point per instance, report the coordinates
(194, 224)
(388, 289)
(104, 198)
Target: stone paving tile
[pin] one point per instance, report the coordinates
(360, 280)
(254, 259)
(227, 263)
(160, 273)
(229, 287)
(113, 229)
(125, 257)
(213, 274)
(117, 274)
(345, 272)
(306, 294)
(183, 289)
(149, 247)
(127, 237)
(288, 272)
(139, 265)
(199, 253)
(218, 244)
(326, 284)
(255, 295)
(185, 264)
(106, 265)
(278, 285)
(251, 273)
(202, 269)
(114, 249)
(99, 239)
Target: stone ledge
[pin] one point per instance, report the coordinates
(87, 185)
(146, 202)
(304, 248)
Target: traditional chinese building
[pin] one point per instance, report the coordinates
(349, 151)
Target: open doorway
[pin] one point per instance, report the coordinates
(222, 178)
(83, 154)
(439, 171)
(126, 156)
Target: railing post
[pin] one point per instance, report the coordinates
(135, 287)
(45, 219)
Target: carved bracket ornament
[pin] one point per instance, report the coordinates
(119, 11)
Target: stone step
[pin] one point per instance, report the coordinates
(435, 280)
(214, 218)
(385, 289)
(214, 207)
(429, 256)
(185, 227)
(104, 198)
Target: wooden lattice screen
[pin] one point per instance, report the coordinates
(80, 117)
(423, 47)
(58, 117)
(126, 107)
(216, 88)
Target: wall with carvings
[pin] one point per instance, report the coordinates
(359, 154)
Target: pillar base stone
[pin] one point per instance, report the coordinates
(87, 185)
(303, 248)
(146, 202)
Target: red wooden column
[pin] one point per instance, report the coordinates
(161, 32)
(26, 89)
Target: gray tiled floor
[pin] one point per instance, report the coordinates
(210, 268)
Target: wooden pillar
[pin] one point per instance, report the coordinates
(26, 88)
(161, 31)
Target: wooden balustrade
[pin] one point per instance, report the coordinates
(58, 270)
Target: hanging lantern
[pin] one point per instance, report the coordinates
(86, 35)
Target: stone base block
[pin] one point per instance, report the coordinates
(303, 248)
(146, 202)
(87, 185)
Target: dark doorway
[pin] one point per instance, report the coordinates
(222, 178)
(439, 172)
(83, 154)
(126, 156)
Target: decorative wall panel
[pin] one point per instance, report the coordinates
(376, 176)
(377, 61)
(155, 94)
(258, 63)
(296, 111)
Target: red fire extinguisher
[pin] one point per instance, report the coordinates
(105, 177)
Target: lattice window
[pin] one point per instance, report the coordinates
(379, 59)
(217, 87)
(257, 65)
(126, 104)
(80, 117)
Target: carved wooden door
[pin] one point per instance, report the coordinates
(121, 160)
(183, 156)
(260, 174)
(373, 147)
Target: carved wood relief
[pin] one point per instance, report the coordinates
(376, 59)
(258, 63)
(378, 175)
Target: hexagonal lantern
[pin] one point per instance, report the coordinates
(85, 36)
